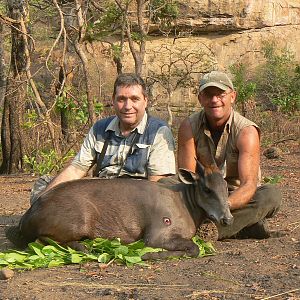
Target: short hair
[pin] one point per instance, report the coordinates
(129, 79)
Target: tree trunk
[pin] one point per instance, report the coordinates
(79, 47)
(64, 124)
(5, 139)
(2, 68)
(88, 84)
(11, 131)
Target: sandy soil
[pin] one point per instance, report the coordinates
(242, 269)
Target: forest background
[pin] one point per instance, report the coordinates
(59, 59)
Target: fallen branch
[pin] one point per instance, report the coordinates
(284, 140)
(277, 295)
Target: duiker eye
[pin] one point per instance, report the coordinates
(167, 221)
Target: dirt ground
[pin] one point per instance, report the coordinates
(242, 269)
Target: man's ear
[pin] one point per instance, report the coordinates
(233, 96)
(187, 176)
(200, 98)
(113, 100)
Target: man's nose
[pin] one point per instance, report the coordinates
(128, 104)
(215, 98)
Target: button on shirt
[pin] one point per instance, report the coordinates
(160, 155)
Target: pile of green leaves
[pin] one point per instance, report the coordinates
(99, 250)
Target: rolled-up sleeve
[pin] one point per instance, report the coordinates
(86, 156)
(161, 158)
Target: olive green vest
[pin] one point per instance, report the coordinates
(226, 154)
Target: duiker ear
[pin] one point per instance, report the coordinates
(187, 176)
(201, 173)
(200, 169)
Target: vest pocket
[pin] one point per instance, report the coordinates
(137, 159)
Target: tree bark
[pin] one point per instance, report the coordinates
(2, 68)
(12, 148)
(79, 47)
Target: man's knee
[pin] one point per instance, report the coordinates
(38, 187)
(268, 195)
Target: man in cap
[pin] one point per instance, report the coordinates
(220, 136)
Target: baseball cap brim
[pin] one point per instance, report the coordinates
(216, 84)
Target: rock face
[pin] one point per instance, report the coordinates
(225, 32)
(215, 34)
(235, 15)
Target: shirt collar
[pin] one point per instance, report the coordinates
(114, 125)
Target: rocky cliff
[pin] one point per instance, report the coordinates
(212, 34)
(237, 15)
(219, 33)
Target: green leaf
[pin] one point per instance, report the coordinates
(145, 250)
(89, 257)
(104, 258)
(273, 180)
(76, 258)
(51, 249)
(57, 246)
(37, 248)
(34, 257)
(205, 248)
(137, 245)
(55, 263)
(116, 242)
(133, 259)
(3, 262)
(14, 257)
(121, 250)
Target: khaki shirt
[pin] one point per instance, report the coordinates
(225, 155)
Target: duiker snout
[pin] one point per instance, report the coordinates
(226, 220)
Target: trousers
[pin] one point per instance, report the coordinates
(264, 204)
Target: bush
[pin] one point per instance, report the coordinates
(245, 88)
(45, 162)
(278, 80)
(76, 111)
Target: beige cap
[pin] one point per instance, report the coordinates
(217, 79)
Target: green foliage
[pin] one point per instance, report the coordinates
(164, 12)
(116, 50)
(77, 111)
(30, 119)
(137, 37)
(273, 179)
(100, 250)
(287, 104)
(278, 80)
(2, 8)
(45, 162)
(244, 87)
(105, 24)
(205, 248)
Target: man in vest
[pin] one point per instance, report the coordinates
(221, 136)
(129, 144)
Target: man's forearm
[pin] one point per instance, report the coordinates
(241, 196)
(69, 173)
